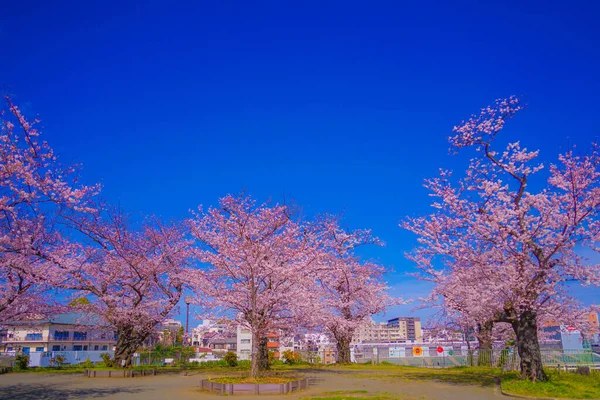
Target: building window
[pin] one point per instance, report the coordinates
(85, 348)
(245, 341)
(105, 347)
(9, 349)
(56, 347)
(77, 347)
(26, 350)
(33, 336)
(39, 349)
(96, 347)
(79, 335)
(61, 335)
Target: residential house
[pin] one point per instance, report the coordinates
(63, 332)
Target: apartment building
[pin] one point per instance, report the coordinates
(64, 332)
(275, 343)
(412, 326)
(397, 330)
(244, 343)
(381, 333)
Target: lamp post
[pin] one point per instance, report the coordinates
(187, 300)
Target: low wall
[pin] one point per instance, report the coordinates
(250, 388)
(125, 373)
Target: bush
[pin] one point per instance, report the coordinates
(58, 361)
(231, 359)
(108, 362)
(291, 357)
(22, 362)
(88, 363)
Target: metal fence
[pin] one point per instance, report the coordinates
(46, 359)
(507, 359)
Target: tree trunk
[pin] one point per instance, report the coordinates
(254, 362)
(485, 339)
(127, 344)
(528, 347)
(469, 351)
(343, 348)
(263, 355)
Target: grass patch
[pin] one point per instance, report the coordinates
(565, 384)
(276, 379)
(353, 395)
(80, 369)
(347, 392)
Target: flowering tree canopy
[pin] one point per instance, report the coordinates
(133, 279)
(520, 245)
(351, 290)
(260, 262)
(34, 191)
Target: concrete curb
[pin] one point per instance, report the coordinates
(498, 389)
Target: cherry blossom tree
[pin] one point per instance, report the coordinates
(259, 262)
(133, 279)
(34, 190)
(520, 241)
(351, 290)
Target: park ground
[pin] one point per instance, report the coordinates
(356, 382)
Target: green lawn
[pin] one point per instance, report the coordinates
(565, 384)
(80, 369)
(269, 378)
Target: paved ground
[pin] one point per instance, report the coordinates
(31, 386)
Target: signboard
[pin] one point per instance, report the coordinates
(417, 351)
(440, 349)
(396, 352)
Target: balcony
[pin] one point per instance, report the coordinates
(36, 339)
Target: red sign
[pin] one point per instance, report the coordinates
(440, 349)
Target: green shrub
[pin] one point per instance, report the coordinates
(231, 359)
(291, 357)
(58, 361)
(22, 362)
(106, 360)
(87, 363)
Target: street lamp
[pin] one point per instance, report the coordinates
(187, 300)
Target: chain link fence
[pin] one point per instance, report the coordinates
(454, 356)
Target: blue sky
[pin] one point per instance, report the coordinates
(340, 106)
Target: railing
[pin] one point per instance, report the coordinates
(55, 339)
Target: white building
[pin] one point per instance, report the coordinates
(63, 332)
(244, 343)
(207, 326)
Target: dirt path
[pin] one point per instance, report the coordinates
(31, 386)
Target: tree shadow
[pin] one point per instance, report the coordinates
(56, 392)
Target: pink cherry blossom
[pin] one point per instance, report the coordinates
(500, 251)
(35, 190)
